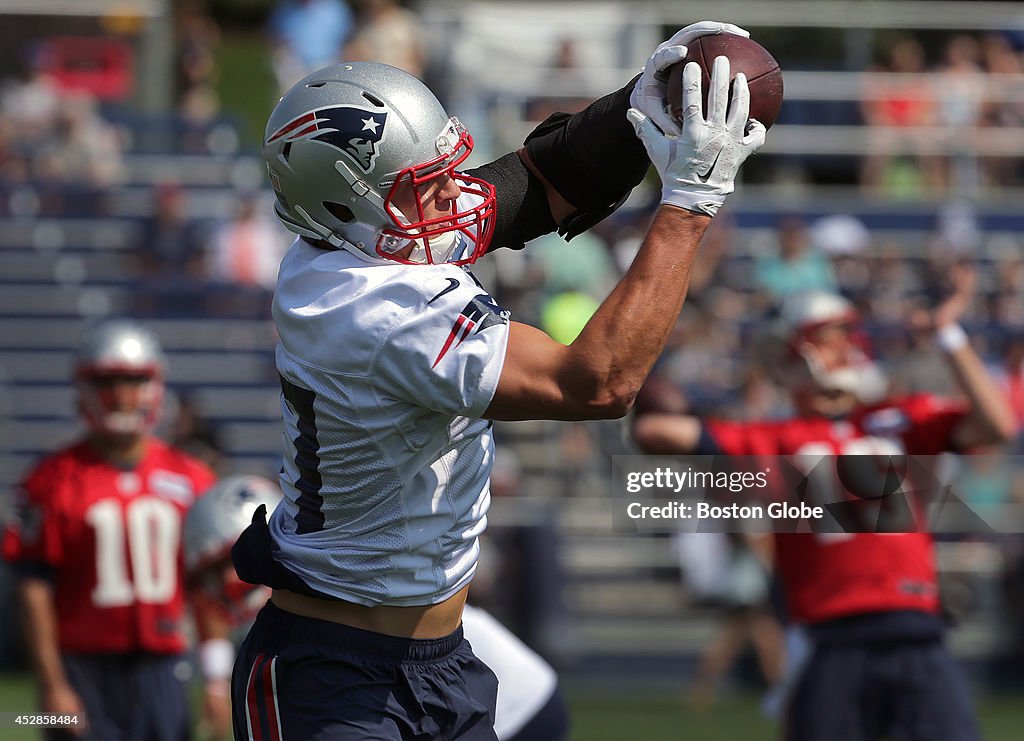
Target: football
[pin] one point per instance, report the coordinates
(764, 76)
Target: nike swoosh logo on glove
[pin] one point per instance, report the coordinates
(707, 175)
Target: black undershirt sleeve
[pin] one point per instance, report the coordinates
(523, 212)
(592, 158)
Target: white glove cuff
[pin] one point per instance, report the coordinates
(703, 203)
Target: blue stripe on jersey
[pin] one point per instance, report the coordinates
(310, 518)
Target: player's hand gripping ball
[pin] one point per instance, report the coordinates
(764, 76)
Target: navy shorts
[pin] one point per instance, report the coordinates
(900, 691)
(301, 679)
(130, 697)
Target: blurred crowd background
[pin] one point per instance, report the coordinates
(130, 184)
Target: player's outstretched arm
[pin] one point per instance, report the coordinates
(990, 420)
(667, 434)
(600, 373)
(576, 169)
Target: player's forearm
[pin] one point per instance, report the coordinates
(991, 420)
(616, 350)
(39, 622)
(667, 434)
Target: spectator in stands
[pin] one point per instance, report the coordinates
(1005, 105)
(198, 38)
(1007, 301)
(565, 83)
(919, 369)
(84, 149)
(847, 242)
(702, 357)
(29, 103)
(247, 249)
(94, 538)
(588, 269)
(894, 109)
(796, 267)
(169, 240)
(386, 32)
(193, 433)
(170, 258)
(307, 35)
(960, 88)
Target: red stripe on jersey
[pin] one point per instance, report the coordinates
(451, 338)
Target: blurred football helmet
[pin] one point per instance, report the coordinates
(113, 354)
(350, 142)
(212, 525)
(822, 330)
(218, 517)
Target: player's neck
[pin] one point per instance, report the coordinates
(122, 451)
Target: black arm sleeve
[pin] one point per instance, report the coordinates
(523, 212)
(33, 570)
(592, 158)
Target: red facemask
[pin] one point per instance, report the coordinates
(459, 237)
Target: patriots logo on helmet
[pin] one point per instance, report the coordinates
(357, 132)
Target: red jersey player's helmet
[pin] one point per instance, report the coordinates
(212, 526)
(119, 374)
(355, 152)
(822, 330)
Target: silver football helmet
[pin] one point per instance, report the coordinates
(212, 525)
(217, 518)
(356, 150)
(118, 351)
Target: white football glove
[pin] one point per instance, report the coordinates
(698, 162)
(649, 95)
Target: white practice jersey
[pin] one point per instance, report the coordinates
(385, 370)
(525, 681)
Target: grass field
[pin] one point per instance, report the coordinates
(623, 716)
(618, 717)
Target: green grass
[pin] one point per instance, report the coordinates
(17, 696)
(246, 85)
(627, 716)
(618, 717)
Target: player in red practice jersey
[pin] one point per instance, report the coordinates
(96, 542)
(869, 602)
